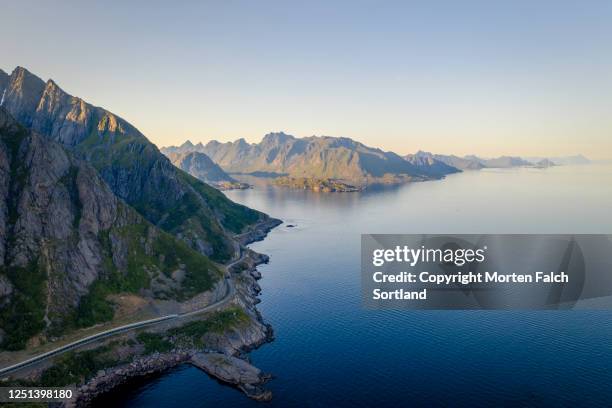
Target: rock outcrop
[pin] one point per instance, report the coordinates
(234, 371)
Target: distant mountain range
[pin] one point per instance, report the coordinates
(472, 162)
(500, 162)
(304, 161)
(443, 162)
(315, 157)
(562, 160)
(432, 163)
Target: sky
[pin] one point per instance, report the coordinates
(529, 78)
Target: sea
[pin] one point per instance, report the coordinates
(331, 352)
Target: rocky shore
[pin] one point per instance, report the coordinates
(235, 371)
(106, 380)
(224, 354)
(259, 232)
(224, 367)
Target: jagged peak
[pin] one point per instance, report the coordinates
(423, 153)
(51, 84)
(52, 88)
(22, 78)
(21, 72)
(187, 144)
(279, 137)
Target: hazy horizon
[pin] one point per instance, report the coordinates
(520, 79)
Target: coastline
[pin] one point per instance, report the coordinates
(225, 355)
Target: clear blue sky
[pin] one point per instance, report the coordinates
(485, 77)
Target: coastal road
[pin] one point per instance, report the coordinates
(229, 295)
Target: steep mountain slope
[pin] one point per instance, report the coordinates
(67, 242)
(313, 157)
(426, 160)
(202, 167)
(131, 165)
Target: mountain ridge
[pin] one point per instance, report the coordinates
(132, 166)
(316, 157)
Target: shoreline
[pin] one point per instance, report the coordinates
(225, 355)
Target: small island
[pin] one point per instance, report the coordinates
(231, 185)
(316, 184)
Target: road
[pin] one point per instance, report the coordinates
(229, 295)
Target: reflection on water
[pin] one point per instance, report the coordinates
(560, 199)
(330, 352)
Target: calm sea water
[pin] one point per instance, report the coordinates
(330, 352)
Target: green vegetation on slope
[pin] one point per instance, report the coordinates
(23, 317)
(78, 367)
(192, 214)
(218, 322)
(148, 253)
(75, 368)
(154, 343)
(235, 217)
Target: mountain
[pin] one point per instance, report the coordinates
(501, 162)
(472, 162)
(460, 163)
(186, 147)
(426, 160)
(131, 165)
(202, 167)
(67, 242)
(324, 157)
(563, 160)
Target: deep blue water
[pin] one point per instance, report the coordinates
(330, 352)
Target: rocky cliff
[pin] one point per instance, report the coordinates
(67, 242)
(132, 166)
